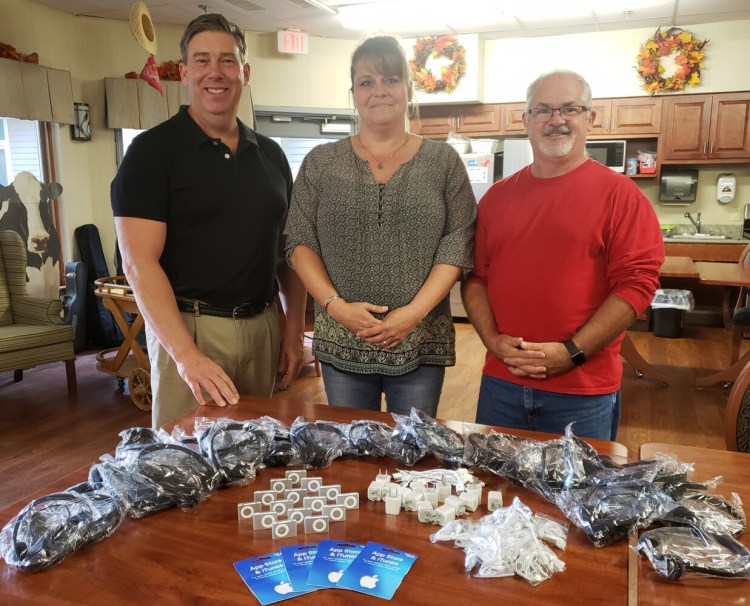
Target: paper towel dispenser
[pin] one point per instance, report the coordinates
(678, 187)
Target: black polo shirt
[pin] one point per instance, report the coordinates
(225, 213)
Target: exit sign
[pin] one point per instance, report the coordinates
(292, 41)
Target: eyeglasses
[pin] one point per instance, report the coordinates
(544, 114)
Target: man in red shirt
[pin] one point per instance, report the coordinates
(567, 254)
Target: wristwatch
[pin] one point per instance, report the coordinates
(576, 355)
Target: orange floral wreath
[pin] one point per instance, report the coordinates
(687, 52)
(436, 46)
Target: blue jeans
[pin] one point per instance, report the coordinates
(419, 388)
(515, 406)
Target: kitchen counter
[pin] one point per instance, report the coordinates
(727, 250)
(692, 240)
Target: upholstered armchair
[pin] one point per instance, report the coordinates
(31, 329)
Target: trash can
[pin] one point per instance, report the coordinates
(669, 307)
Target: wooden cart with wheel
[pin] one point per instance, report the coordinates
(128, 361)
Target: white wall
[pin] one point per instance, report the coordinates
(607, 60)
(92, 49)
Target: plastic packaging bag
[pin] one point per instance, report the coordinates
(371, 438)
(549, 467)
(682, 552)
(52, 527)
(150, 472)
(320, 442)
(491, 451)
(508, 541)
(710, 513)
(406, 447)
(673, 298)
(440, 440)
(610, 512)
(282, 450)
(235, 449)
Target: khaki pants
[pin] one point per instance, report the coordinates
(247, 350)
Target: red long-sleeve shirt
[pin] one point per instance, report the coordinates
(551, 251)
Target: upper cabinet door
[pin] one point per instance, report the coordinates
(478, 119)
(637, 116)
(730, 126)
(512, 119)
(602, 116)
(434, 120)
(687, 125)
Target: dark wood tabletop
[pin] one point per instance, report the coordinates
(734, 467)
(185, 557)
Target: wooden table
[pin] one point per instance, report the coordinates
(731, 276)
(734, 467)
(185, 557)
(678, 267)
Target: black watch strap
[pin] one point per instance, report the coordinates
(576, 355)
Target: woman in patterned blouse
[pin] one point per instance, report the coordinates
(380, 228)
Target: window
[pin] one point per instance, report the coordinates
(19, 149)
(123, 138)
(296, 149)
(6, 169)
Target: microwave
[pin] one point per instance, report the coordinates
(609, 153)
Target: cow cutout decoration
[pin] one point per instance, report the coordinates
(26, 208)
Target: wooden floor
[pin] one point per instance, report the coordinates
(45, 434)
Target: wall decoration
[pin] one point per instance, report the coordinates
(438, 46)
(670, 60)
(10, 52)
(446, 68)
(80, 130)
(26, 208)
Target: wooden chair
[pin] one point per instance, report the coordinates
(737, 414)
(739, 321)
(741, 315)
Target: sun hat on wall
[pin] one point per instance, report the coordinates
(142, 27)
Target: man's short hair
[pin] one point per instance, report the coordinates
(585, 85)
(212, 22)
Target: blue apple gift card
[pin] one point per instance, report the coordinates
(377, 571)
(332, 559)
(267, 578)
(298, 560)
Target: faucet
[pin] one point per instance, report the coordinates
(696, 222)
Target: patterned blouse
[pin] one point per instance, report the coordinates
(379, 243)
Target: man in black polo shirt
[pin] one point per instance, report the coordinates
(200, 203)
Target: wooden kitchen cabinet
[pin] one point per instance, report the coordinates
(473, 120)
(704, 252)
(706, 128)
(512, 119)
(627, 116)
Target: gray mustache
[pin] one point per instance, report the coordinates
(557, 130)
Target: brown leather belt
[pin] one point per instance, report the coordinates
(245, 310)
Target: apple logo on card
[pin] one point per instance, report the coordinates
(369, 582)
(283, 587)
(335, 577)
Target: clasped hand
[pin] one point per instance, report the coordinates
(534, 360)
(362, 319)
